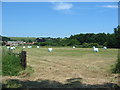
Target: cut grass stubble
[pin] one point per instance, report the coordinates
(64, 63)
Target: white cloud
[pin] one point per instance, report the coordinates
(62, 6)
(110, 6)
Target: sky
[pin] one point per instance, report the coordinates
(58, 19)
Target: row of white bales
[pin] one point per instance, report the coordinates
(51, 49)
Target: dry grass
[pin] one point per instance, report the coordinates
(66, 63)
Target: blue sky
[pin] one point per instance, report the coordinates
(58, 19)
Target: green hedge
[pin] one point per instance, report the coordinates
(89, 45)
(11, 65)
(116, 66)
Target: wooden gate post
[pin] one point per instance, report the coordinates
(23, 59)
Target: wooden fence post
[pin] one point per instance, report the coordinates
(23, 59)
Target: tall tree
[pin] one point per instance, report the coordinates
(117, 36)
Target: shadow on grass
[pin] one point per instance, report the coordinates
(70, 83)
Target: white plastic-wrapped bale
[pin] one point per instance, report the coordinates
(73, 46)
(50, 49)
(12, 48)
(29, 46)
(38, 47)
(23, 46)
(105, 47)
(8, 47)
(93, 47)
(96, 50)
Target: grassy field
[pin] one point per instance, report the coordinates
(67, 65)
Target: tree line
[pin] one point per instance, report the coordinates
(78, 40)
(85, 40)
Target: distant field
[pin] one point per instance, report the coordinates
(65, 63)
(22, 38)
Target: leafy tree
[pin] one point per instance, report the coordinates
(101, 38)
(117, 36)
(85, 45)
(111, 40)
(5, 38)
(73, 42)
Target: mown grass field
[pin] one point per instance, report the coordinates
(67, 63)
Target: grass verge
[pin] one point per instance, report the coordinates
(11, 64)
